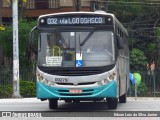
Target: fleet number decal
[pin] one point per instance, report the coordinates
(61, 80)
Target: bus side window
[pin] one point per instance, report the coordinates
(120, 42)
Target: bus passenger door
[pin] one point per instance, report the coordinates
(122, 75)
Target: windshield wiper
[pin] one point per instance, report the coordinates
(88, 36)
(65, 43)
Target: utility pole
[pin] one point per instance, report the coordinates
(16, 93)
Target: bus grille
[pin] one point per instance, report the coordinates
(76, 73)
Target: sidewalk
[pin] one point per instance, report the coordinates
(25, 100)
(143, 98)
(17, 100)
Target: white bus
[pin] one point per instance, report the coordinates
(81, 56)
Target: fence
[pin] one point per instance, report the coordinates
(149, 87)
(27, 82)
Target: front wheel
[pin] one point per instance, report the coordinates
(123, 98)
(68, 101)
(112, 103)
(53, 103)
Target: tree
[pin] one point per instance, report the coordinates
(22, 8)
(138, 60)
(6, 39)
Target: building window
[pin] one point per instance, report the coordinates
(41, 4)
(30, 4)
(6, 3)
(54, 3)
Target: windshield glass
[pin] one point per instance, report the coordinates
(78, 48)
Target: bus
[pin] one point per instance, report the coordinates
(81, 56)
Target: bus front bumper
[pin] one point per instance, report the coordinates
(106, 91)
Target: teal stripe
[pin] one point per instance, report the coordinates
(108, 90)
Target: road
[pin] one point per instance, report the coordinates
(83, 109)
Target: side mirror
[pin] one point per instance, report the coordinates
(31, 40)
(120, 42)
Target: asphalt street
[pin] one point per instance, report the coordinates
(33, 104)
(32, 107)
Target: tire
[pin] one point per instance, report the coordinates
(123, 98)
(53, 103)
(76, 101)
(68, 101)
(112, 103)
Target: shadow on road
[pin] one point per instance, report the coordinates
(82, 107)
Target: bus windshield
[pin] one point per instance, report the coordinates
(76, 48)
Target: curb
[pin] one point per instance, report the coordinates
(31, 100)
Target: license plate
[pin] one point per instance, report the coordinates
(75, 91)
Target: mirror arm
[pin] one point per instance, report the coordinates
(31, 40)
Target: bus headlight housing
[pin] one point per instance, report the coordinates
(39, 76)
(100, 83)
(107, 80)
(103, 82)
(47, 82)
(44, 81)
(111, 77)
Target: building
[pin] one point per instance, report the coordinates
(34, 8)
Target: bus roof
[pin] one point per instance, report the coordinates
(81, 12)
(91, 13)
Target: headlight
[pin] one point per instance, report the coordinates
(45, 81)
(51, 83)
(100, 83)
(40, 78)
(111, 77)
(106, 80)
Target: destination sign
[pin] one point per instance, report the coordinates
(72, 20)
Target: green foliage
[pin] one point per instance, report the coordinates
(132, 42)
(5, 91)
(6, 39)
(138, 60)
(158, 32)
(2, 28)
(126, 12)
(24, 30)
(5, 74)
(152, 46)
(27, 89)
